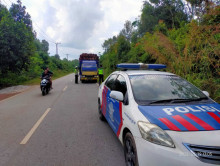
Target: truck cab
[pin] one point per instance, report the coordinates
(88, 67)
(89, 70)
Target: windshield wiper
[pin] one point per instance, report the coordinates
(178, 100)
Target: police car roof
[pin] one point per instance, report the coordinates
(143, 72)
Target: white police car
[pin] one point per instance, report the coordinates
(160, 118)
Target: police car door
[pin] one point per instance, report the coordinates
(120, 85)
(114, 107)
(109, 105)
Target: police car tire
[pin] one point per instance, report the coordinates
(130, 150)
(101, 116)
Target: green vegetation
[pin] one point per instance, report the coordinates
(22, 55)
(57, 74)
(187, 41)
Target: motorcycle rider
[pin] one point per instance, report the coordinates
(49, 73)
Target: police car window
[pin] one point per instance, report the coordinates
(120, 85)
(148, 88)
(110, 83)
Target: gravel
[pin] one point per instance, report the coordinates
(14, 89)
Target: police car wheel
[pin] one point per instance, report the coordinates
(101, 116)
(130, 150)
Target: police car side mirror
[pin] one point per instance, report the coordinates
(117, 95)
(206, 93)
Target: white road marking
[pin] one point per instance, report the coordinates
(64, 89)
(30, 133)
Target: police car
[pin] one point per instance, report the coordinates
(160, 118)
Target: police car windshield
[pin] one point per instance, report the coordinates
(151, 88)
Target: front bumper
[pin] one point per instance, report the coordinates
(154, 155)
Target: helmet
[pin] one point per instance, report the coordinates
(45, 67)
(76, 67)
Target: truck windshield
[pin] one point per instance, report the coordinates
(155, 88)
(89, 64)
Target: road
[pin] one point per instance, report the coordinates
(59, 129)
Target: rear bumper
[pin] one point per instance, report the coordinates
(88, 78)
(89, 73)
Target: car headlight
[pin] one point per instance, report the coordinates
(155, 134)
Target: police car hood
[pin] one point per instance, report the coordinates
(200, 117)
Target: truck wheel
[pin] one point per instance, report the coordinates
(101, 116)
(130, 150)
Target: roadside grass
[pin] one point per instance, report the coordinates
(57, 74)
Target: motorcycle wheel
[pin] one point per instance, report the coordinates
(43, 91)
(47, 91)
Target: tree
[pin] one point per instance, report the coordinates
(45, 46)
(57, 62)
(148, 19)
(108, 43)
(16, 44)
(123, 47)
(172, 12)
(57, 56)
(198, 8)
(19, 14)
(127, 31)
(22, 55)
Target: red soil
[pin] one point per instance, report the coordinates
(5, 96)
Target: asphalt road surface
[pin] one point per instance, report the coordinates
(59, 129)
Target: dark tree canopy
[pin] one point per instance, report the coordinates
(123, 48)
(108, 43)
(19, 14)
(16, 43)
(171, 12)
(127, 31)
(45, 46)
(197, 8)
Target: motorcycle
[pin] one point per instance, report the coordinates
(45, 85)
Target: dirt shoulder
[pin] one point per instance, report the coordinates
(11, 91)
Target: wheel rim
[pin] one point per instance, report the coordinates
(129, 153)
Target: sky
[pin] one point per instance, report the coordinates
(81, 26)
